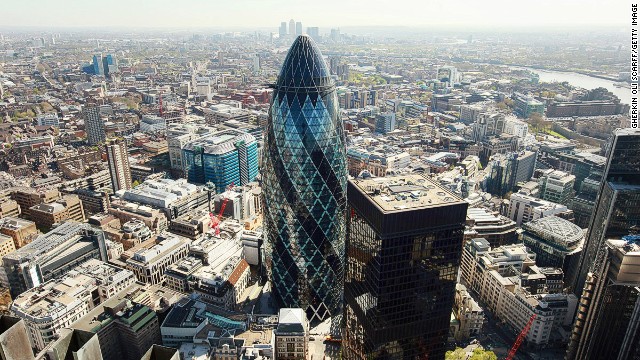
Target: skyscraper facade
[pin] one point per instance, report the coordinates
(606, 325)
(223, 158)
(404, 245)
(298, 28)
(292, 27)
(119, 168)
(617, 208)
(93, 124)
(304, 185)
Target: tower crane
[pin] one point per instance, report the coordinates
(520, 338)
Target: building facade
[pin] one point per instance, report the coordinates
(119, 169)
(304, 185)
(93, 125)
(398, 295)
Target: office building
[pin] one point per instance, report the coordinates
(282, 30)
(556, 186)
(21, 231)
(385, 122)
(514, 288)
(49, 119)
(73, 344)
(93, 124)
(314, 33)
(223, 158)
(606, 325)
(524, 208)
(58, 303)
(526, 105)
(292, 335)
(298, 28)
(125, 329)
(304, 185)
(149, 265)
(617, 209)
(27, 197)
(497, 229)
(397, 306)
(119, 169)
(52, 255)
(173, 197)
(292, 27)
(67, 208)
(556, 243)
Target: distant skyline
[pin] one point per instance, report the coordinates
(254, 14)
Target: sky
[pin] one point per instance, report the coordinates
(322, 13)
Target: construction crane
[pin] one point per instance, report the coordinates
(215, 220)
(520, 338)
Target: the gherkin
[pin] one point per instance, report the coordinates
(304, 185)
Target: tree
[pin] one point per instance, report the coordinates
(481, 354)
(457, 354)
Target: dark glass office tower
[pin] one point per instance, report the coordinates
(617, 208)
(608, 315)
(304, 185)
(404, 242)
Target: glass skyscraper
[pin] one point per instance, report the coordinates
(304, 185)
(403, 249)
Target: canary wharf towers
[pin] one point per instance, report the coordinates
(304, 182)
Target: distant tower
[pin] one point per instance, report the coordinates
(403, 249)
(283, 30)
(93, 124)
(304, 185)
(292, 27)
(119, 168)
(299, 28)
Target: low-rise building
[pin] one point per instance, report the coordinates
(514, 289)
(469, 314)
(292, 335)
(52, 255)
(495, 228)
(58, 303)
(21, 231)
(149, 265)
(67, 208)
(524, 208)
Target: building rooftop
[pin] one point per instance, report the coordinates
(556, 230)
(401, 192)
(219, 142)
(49, 241)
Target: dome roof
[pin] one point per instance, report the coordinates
(304, 66)
(556, 230)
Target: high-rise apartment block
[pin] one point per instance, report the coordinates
(93, 124)
(119, 169)
(403, 253)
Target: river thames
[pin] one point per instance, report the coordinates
(579, 80)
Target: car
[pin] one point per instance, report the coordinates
(312, 338)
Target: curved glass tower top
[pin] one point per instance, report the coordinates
(304, 185)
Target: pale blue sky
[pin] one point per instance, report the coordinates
(323, 13)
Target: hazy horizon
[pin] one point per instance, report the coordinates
(267, 15)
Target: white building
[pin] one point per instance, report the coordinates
(524, 208)
(49, 119)
(152, 124)
(149, 265)
(514, 289)
(57, 304)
